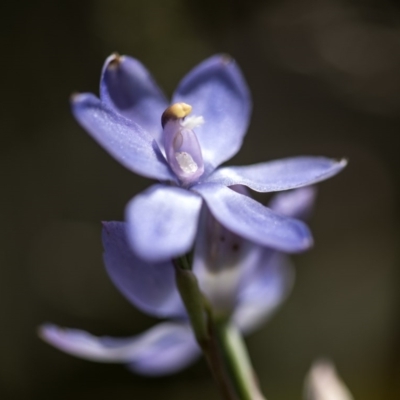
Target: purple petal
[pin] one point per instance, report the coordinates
(249, 219)
(129, 89)
(220, 259)
(296, 203)
(284, 174)
(163, 349)
(162, 222)
(173, 352)
(150, 287)
(126, 141)
(217, 91)
(264, 290)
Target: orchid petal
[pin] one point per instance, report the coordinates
(264, 290)
(163, 349)
(268, 278)
(220, 259)
(162, 222)
(150, 287)
(173, 352)
(296, 203)
(126, 141)
(249, 219)
(217, 91)
(128, 88)
(284, 174)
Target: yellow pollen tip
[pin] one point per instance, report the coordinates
(176, 111)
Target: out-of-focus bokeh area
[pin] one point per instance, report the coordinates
(325, 79)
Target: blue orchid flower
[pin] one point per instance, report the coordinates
(243, 281)
(136, 124)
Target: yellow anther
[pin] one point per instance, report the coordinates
(176, 111)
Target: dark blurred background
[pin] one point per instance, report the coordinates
(325, 78)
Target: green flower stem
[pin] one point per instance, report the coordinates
(183, 262)
(193, 300)
(196, 307)
(221, 343)
(217, 366)
(238, 361)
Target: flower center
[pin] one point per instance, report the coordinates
(186, 162)
(181, 145)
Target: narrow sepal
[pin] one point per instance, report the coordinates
(283, 174)
(164, 349)
(249, 219)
